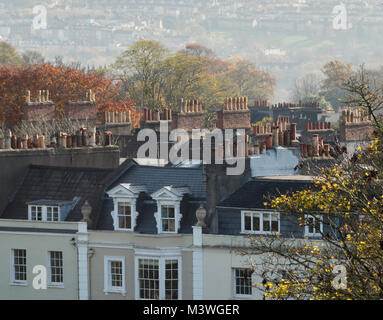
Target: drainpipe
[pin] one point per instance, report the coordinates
(90, 256)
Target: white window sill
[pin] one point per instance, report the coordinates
(20, 284)
(124, 230)
(120, 291)
(261, 233)
(313, 236)
(58, 286)
(243, 297)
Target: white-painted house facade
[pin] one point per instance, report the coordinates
(138, 237)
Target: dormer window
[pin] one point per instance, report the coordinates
(53, 213)
(168, 218)
(50, 210)
(36, 213)
(124, 211)
(168, 215)
(124, 198)
(44, 213)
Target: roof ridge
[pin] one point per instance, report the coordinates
(38, 166)
(172, 168)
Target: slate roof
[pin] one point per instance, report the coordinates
(45, 202)
(146, 222)
(155, 178)
(60, 184)
(253, 193)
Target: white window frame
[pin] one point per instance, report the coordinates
(314, 234)
(168, 198)
(177, 215)
(12, 268)
(58, 213)
(108, 288)
(235, 294)
(133, 213)
(30, 212)
(49, 273)
(124, 193)
(44, 213)
(260, 213)
(161, 257)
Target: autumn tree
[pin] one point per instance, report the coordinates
(182, 75)
(141, 70)
(347, 199)
(336, 74)
(249, 80)
(323, 103)
(156, 78)
(9, 55)
(31, 57)
(197, 50)
(64, 84)
(308, 85)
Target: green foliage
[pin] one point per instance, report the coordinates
(141, 69)
(336, 73)
(33, 57)
(155, 78)
(9, 55)
(250, 81)
(324, 104)
(264, 120)
(347, 197)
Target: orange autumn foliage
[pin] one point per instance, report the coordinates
(64, 84)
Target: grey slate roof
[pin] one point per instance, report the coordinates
(156, 178)
(45, 202)
(252, 195)
(58, 184)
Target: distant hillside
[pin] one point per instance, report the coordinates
(287, 38)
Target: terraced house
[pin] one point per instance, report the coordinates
(138, 232)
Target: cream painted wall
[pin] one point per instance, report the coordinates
(218, 277)
(37, 246)
(96, 274)
(123, 244)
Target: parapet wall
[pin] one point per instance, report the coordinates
(355, 126)
(235, 114)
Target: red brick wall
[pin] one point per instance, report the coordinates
(356, 131)
(234, 119)
(39, 111)
(189, 121)
(80, 110)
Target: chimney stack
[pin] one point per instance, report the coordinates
(28, 97)
(315, 145)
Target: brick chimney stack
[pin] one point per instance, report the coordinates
(315, 145)
(234, 114)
